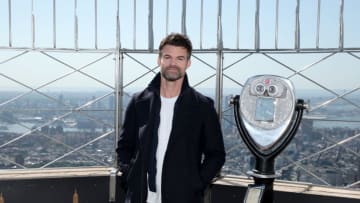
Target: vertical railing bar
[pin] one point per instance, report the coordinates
(219, 26)
(118, 107)
(183, 17)
(341, 26)
(318, 24)
(297, 25)
(118, 78)
(96, 24)
(238, 25)
(118, 119)
(117, 112)
(220, 57)
(277, 24)
(134, 26)
(167, 17)
(10, 27)
(201, 22)
(75, 26)
(118, 41)
(151, 30)
(54, 23)
(257, 26)
(32, 25)
(119, 93)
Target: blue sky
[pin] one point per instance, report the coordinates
(21, 35)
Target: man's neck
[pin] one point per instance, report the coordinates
(170, 89)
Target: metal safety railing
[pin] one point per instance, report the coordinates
(232, 40)
(260, 11)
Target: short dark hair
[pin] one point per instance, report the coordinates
(176, 39)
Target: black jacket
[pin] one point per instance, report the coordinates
(195, 152)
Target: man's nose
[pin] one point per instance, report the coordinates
(173, 62)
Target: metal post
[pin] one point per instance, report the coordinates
(151, 29)
(134, 26)
(96, 23)
(76, 32)
(257, 26)
(238, 25)
(201, 22)
(54, 24)
(167, 17)
(10, 34)
(341, 26)
(318, 24)
(118, 119)
(277, 25)
(297, 25)
(183, 17)
(118, 96)
(219, 69)
(32, 25)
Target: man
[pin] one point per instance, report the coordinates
(171, 145)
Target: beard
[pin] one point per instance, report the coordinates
(171, 75)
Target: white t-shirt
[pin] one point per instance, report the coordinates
(166, 118)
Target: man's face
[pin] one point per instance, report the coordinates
(173, 62)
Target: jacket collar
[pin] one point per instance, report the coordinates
(155, 84)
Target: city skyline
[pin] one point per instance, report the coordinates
(43, 131)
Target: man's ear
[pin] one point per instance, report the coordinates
(188, 64)
(158, 60)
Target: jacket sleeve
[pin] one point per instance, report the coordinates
(213, 146)
(127, 143)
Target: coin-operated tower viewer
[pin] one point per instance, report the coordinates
(267, 116)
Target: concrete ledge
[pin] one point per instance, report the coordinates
(58, 185)
(13, 174)
(294, 187)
